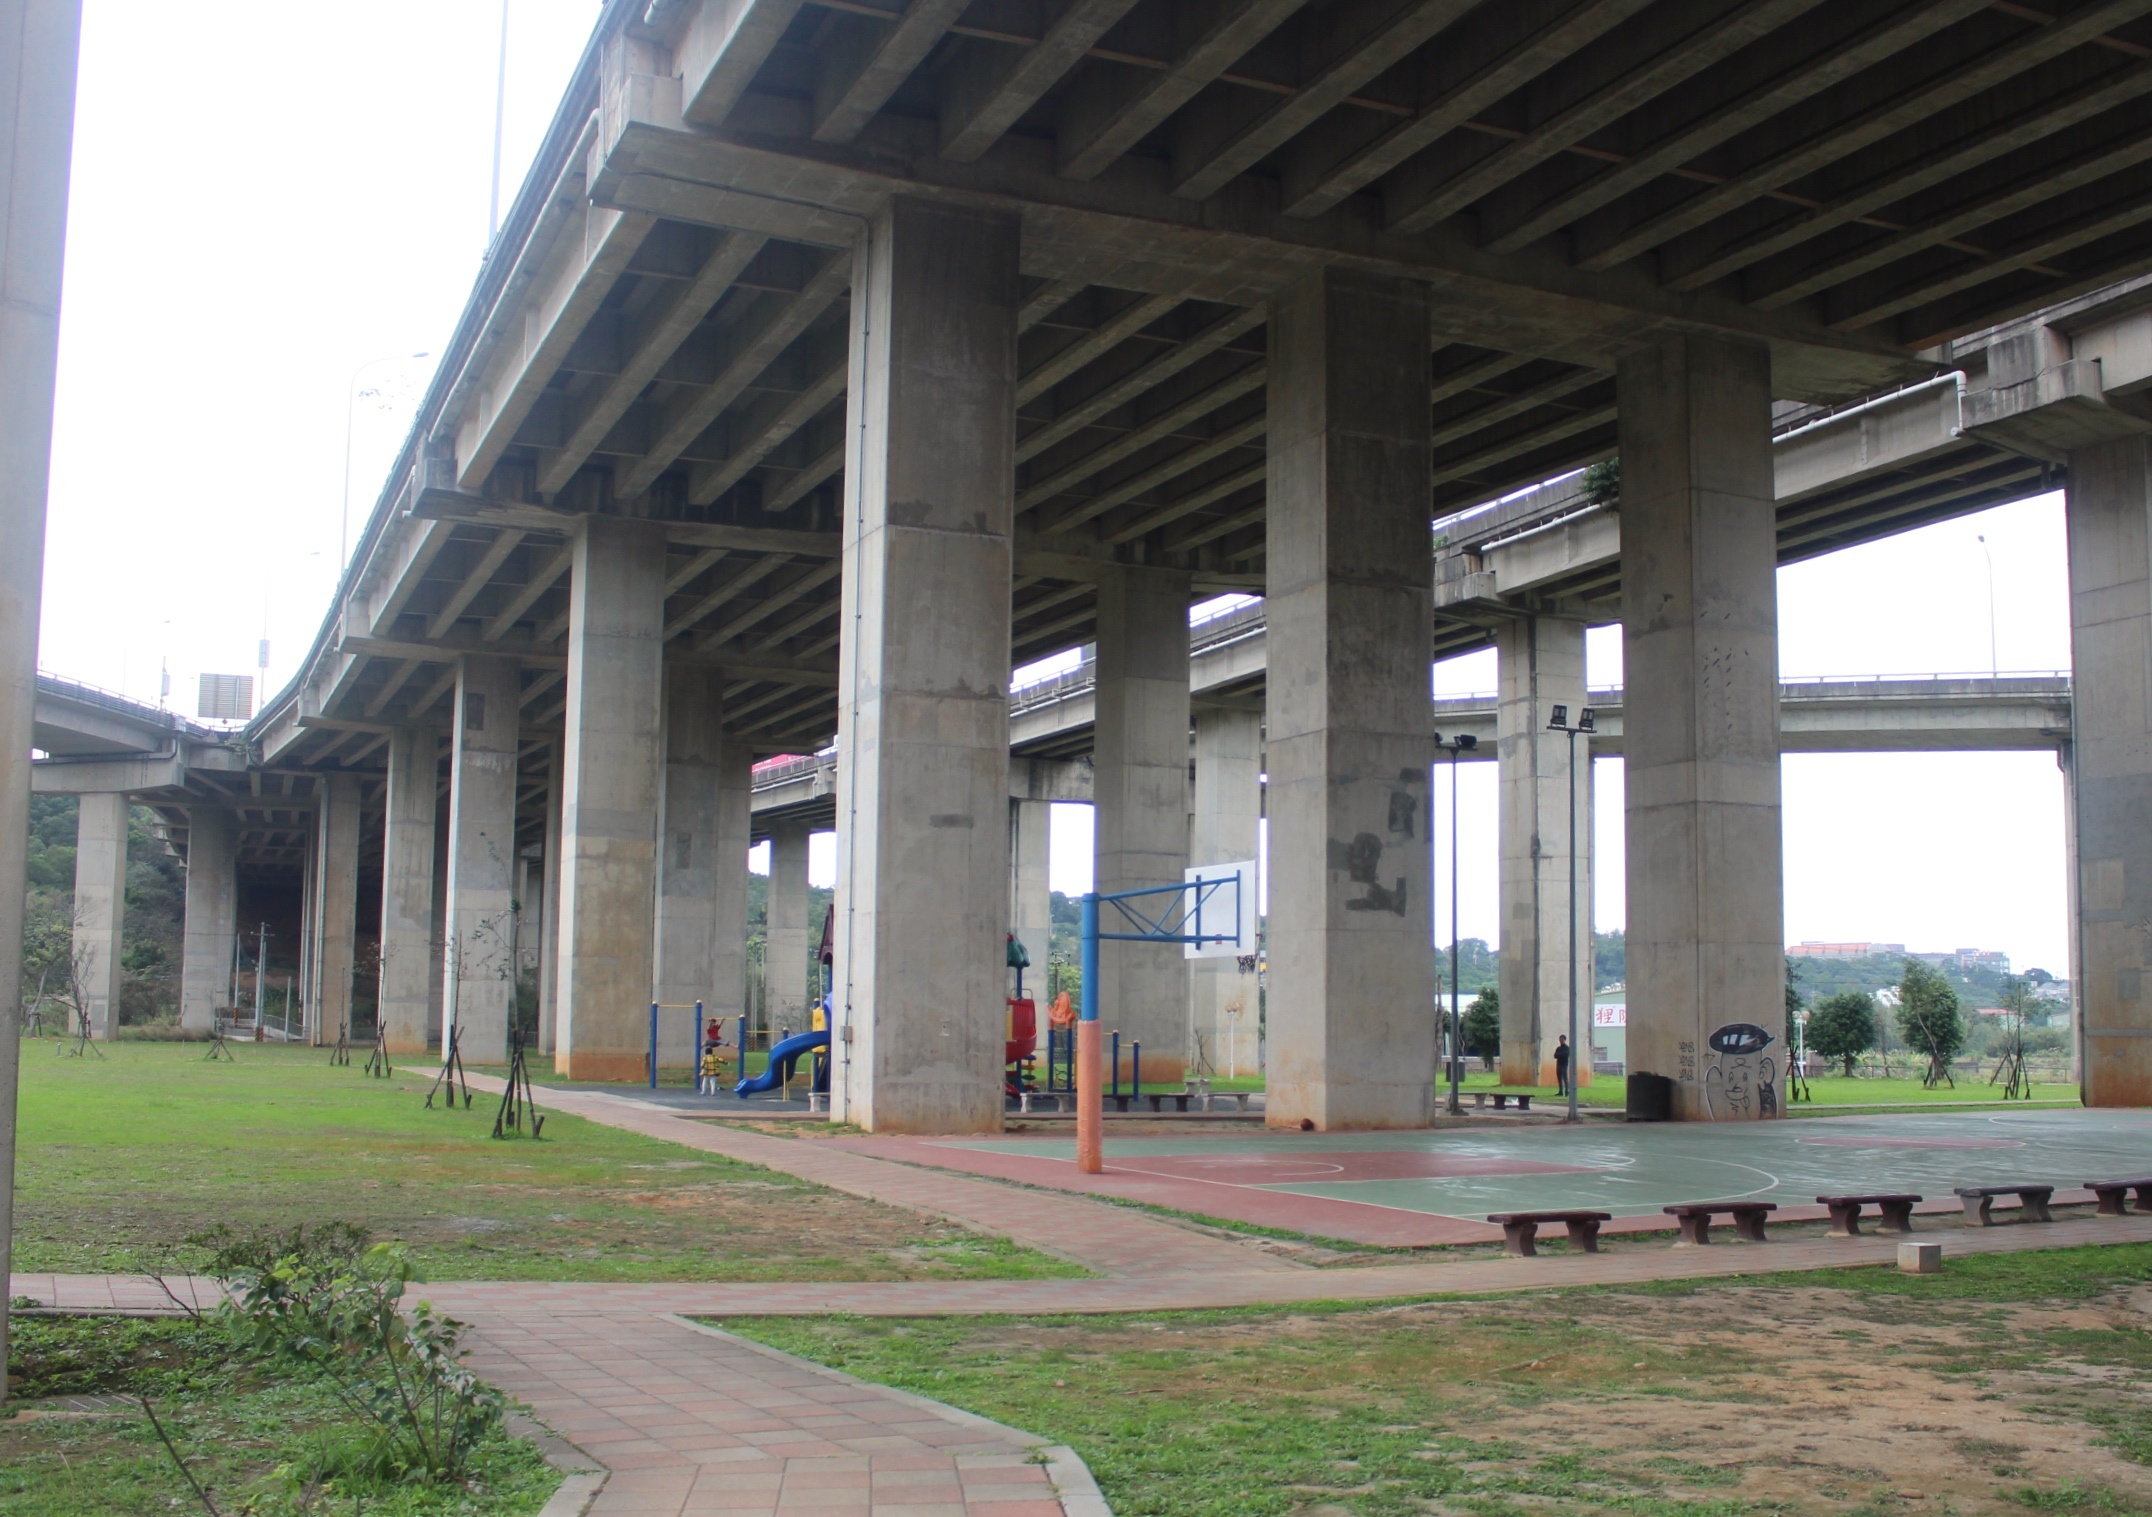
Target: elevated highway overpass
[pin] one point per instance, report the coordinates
(835, 359)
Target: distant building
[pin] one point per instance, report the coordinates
(1811, 949)
(1965, 960)
(2052, 990)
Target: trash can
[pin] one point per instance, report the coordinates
(1651, 1098)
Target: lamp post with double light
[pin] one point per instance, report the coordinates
(1463, 742)
(1559, 722)
(352, 394)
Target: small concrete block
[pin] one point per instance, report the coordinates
(1920, 1258)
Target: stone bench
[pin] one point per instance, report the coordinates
(1179, 1100)
(1520, 1229)
(2032, 1202)
(1695, 1217)
(2112, 1195)
(1896, 1213)
(1502, 1098)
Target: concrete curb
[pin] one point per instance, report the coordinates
(574, 1497)
(1073, 1484)
(586, 1477)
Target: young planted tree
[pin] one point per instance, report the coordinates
(1483, 1027)
(1928, 1020)
(1843, 1026)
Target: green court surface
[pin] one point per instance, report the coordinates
(1414, 1187)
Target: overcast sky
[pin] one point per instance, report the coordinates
(270, 197)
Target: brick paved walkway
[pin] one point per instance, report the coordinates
(523, 1300)
(690, 1420)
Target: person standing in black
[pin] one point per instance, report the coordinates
(1561, 1065)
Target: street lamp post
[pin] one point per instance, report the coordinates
(351, 406)
(1463, 742)
(1994, 663)
(1559, 722)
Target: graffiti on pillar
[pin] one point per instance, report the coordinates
(1362, 858)
(1741, 1079)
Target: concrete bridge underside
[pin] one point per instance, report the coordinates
(835, 359)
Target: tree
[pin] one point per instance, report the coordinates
(1793, 995)
(1843, 1026)
(1483, 1027)
(1928, 1019)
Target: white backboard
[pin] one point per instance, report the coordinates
(1227, 909)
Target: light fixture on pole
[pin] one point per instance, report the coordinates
(351, 405)
(1463, 742)
(1559, 722)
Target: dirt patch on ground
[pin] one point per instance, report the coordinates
(1803, 1408)
(1722, 1398)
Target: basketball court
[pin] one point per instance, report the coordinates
(1435, 1187)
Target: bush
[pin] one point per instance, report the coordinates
(1843, 1026)
(340, 1318)
(1483, 1027)
(1928, 1019)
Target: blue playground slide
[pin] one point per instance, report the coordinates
(782, 1058)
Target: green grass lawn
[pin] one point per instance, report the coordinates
(124, 1158)
(2008, 1382)
(1611, 1092)
(261, 1444)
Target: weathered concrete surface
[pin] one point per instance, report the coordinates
(923, 889)
(334, 904)
(100, 906)
(1541, 664)
(1224, 820)
(404, 1002)
(549, 925)
(612, 766)
(786, 931)
(212, 916)
(2110, 527)
(1351, 963)
(1140, 789)
(478, 962)
(701, 885)
(1706, 917)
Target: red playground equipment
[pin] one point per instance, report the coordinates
(1023, 1036)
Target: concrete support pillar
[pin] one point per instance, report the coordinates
(549, 925)
(1141, 777)
(37, 105)
(1706, 918)
(1031, 895)
(702, 881)
(1352, 1033)
(404, 1003)
(334, 930)
(2110, 528)
(785, 931)
(212, 916)
(478, 987)
(1223, 827)
(1541, 665)
(923, 683)
(612, 768)
(100, 907)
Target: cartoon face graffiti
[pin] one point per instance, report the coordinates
(1740, 1080)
